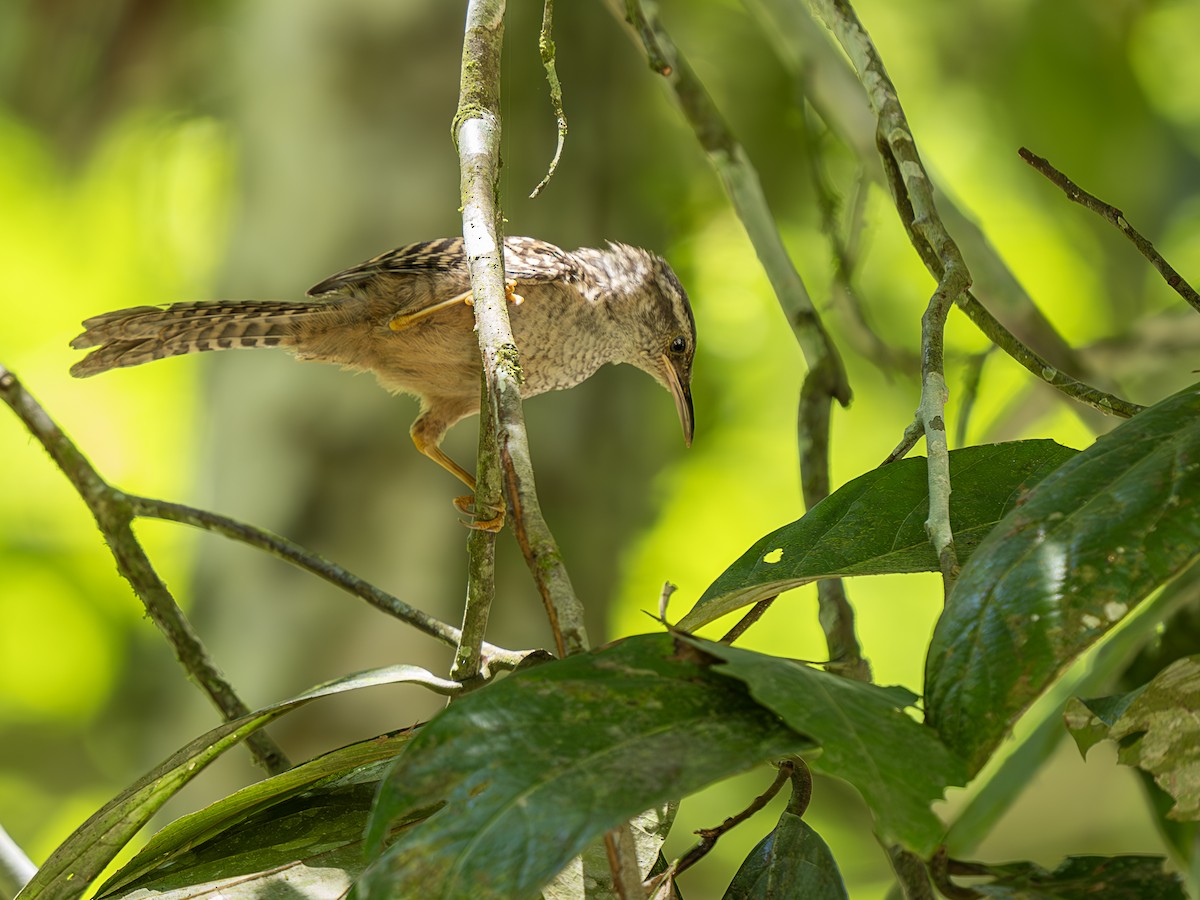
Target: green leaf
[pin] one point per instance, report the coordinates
(1158, 731)
(875, 524)
(867, 739)
(80, 859)
(1085, 878)
(791, 861)
(305, 824)
(527, 772)
(1089, 721)
(1087, 545)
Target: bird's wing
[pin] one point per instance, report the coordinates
(525, 260)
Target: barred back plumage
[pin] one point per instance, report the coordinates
(130, 337)
(404, 315)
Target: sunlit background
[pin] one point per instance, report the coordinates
(153, 151)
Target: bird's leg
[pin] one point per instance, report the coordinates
(466, 504)
(401, 321)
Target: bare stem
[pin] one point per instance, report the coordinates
(1106, 211)
(114, 516)
(477, 134)
(546, 48)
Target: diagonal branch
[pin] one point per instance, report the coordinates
(289, 551)
(477, 134)
(114, 516)
(1106, 211)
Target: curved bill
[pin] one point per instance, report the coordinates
(682, 395)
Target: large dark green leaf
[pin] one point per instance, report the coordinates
(875, 524)
(867, 739)
(304, 826)
(523, 774)
(77, 862)
(1086, 546)
(1157, 731)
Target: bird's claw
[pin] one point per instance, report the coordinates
(469, 506)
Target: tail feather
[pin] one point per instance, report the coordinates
(141, 334)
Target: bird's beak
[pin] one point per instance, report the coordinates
(681, 392)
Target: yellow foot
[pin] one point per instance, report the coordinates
(467, 506)
(510, 294)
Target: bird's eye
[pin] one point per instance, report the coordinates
(678, 345)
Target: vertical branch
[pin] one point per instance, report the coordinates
(913, 195)
(481, 552)
(477, 134)
(826, 380)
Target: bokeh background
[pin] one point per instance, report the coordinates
(153, 151)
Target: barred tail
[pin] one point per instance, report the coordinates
(130, 337)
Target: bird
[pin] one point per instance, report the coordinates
(405, 316)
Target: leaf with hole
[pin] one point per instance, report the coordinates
(875, 524)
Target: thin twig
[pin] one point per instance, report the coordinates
(834, 612)
(114, 517)
(477, 135)
(752, 615)
(664, 598)
(291, 552)
(621, 850)
(710, 836)
(880, 353)
(546, 48)
(1109, 404)
(1078, 195)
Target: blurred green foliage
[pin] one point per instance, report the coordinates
(140, 152)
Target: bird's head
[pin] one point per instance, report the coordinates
(660, 331)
